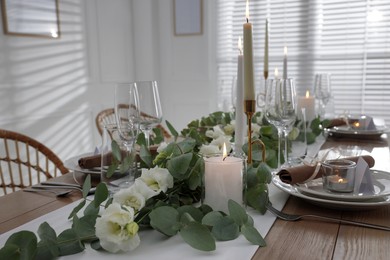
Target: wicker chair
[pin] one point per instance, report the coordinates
(107, 116)
(25, 161)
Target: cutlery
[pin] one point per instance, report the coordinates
(53, 183)
(291, 217)
(62, 186)
(58, 193)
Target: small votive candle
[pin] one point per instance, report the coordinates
(339, 175)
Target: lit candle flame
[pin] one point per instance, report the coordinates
(285, 50)
(240, 44)
(356, 124)
(341, 180)
(224, 153)
(247, 11)
(276, 73)
(307, 94)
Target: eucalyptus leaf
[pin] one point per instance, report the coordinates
(145, 156)
(86, 186)
(252, 235)
(69, 243)
(165, 220)
(141, 139)
(172, 129)
(263, 173)
(85, 227)
(111, 169)
(195, 213)
(126, 164)
(198, 236)
(225, 229)
(186, 218)
(257, 197)
(237, 213)
(211, 218)
(20, 245)
(195, 179)
(48, 240)
(101, 194)
(96, 245)
(178, 166)
(158, 135)
(77, 209)
(116, 151)
(91, 209)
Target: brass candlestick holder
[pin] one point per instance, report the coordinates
(250, 109)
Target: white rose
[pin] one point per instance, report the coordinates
(209, 149)
(222, 140)
(209, 133)
(130, 197)
(218, 132)
(116, 229)
(153, 181)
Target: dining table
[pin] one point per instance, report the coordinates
(303, 239)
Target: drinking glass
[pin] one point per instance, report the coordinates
(279, 109)
(322, 91)
(150, 107)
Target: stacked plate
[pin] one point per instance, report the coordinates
(314, 193)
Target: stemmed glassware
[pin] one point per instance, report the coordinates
(322, 91)
(150, 107)
(279, 109)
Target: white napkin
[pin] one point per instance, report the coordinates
(363, 178)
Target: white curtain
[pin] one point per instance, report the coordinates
(349, 39)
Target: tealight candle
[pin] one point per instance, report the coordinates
(339, 175)
(223, 180)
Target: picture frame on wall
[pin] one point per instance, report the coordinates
(188, 17)
(38, 18)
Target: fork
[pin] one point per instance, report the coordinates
(291, 217)
(56, 192)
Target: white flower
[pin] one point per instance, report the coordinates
(153, 181)
(162, 146)
(215, 133)
(209, 149)
(130, 197)
(229, 129)
(117, 230)
(222, 140)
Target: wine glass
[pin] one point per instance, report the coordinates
(150, 107)
(322, 91)
(127, 113)
(279, 109)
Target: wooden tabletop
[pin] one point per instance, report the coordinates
(310, 239)
(305, 239)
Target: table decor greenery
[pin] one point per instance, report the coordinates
(166, 197)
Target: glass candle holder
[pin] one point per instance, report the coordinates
(339, 175)
(224, 179)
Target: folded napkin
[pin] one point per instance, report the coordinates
(302, 173)
(94, 161)
(336, 122)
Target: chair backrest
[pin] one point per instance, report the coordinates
(25, 162)
(107, 116)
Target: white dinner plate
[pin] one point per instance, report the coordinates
(335, 204)
(344, 131)
(380, 179)
(73, 165)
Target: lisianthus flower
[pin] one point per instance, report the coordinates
(229, 129)
(215, 133)
(130, 197)
(222, 140)
(153, 181)
(209, 149)
(116, 229)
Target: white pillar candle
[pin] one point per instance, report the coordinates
(266, 50)
(307, 102)
(240, 116)
(285, 63)
(249, 87)
(223, 181)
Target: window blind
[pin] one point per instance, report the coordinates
(348, 39)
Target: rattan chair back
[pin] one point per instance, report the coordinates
(25, 161)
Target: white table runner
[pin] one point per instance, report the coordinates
(156, 245)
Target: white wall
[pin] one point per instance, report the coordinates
(52, 89)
